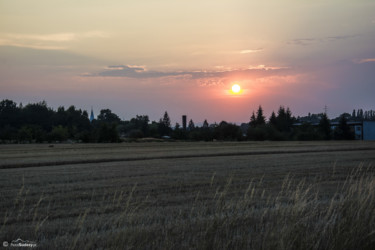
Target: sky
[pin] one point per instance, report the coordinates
(146, 57)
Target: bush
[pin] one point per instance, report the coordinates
(257, 134)
(135, 134)
(59, 133)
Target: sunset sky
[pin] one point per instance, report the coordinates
(145, 57)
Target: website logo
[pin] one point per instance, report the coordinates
(20, 243)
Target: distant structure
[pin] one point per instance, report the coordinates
(368, 131)
(91, 115)
(363, 130)
(184, 122)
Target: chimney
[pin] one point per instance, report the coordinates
(184, 122)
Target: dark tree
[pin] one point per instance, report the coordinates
(140, 122)
(25, 134)
(107, 133)
(60, 117)
(366, 115)
(258, 133)
(154, 129)
(191, 125)
(260, 119)
(38, 114)
(59, 133)
(206, 132)
(205, 124)
(360, 114)
(179, 133)
(164, 126)
(342, 131)
(257, 129)
(307, 132)
(273, 119)
(227, 131)
(166, 120)
(253, 121)
(324, 127)
(284, 120)
(76, 121)
(106, 115)
(9, 113)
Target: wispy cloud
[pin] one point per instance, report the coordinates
(302, 41)
(94, 34)
(128, 71)
(58, 37)
(123, 71)
(311, 41)
(209, 82)
(55, 41)
(365, 60)
(264, 67)
(14, 43)
(247, 51)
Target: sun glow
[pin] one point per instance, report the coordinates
(236, 89)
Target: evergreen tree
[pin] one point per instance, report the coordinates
(205, 124)
(360, 114)
(273, 119)
(166, 120)
(284, 120)
(164, 125)
(342, 131)
(191, 125)
(253, 122)
(324, 127)
(206, 132)
(260, 119)
(257, 120)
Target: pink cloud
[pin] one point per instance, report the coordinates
(365, 60)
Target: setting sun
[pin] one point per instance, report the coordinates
(236, 88)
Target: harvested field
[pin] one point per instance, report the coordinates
(61, 154)
(177, 195)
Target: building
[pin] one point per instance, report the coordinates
(184, 122)
(368, 131)
(363, 130)
(92, 115)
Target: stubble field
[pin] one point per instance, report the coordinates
(181, 195)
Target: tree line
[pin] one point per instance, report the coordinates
(36, 122)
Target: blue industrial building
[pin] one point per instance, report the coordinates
(363, 130)
(368, 130)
